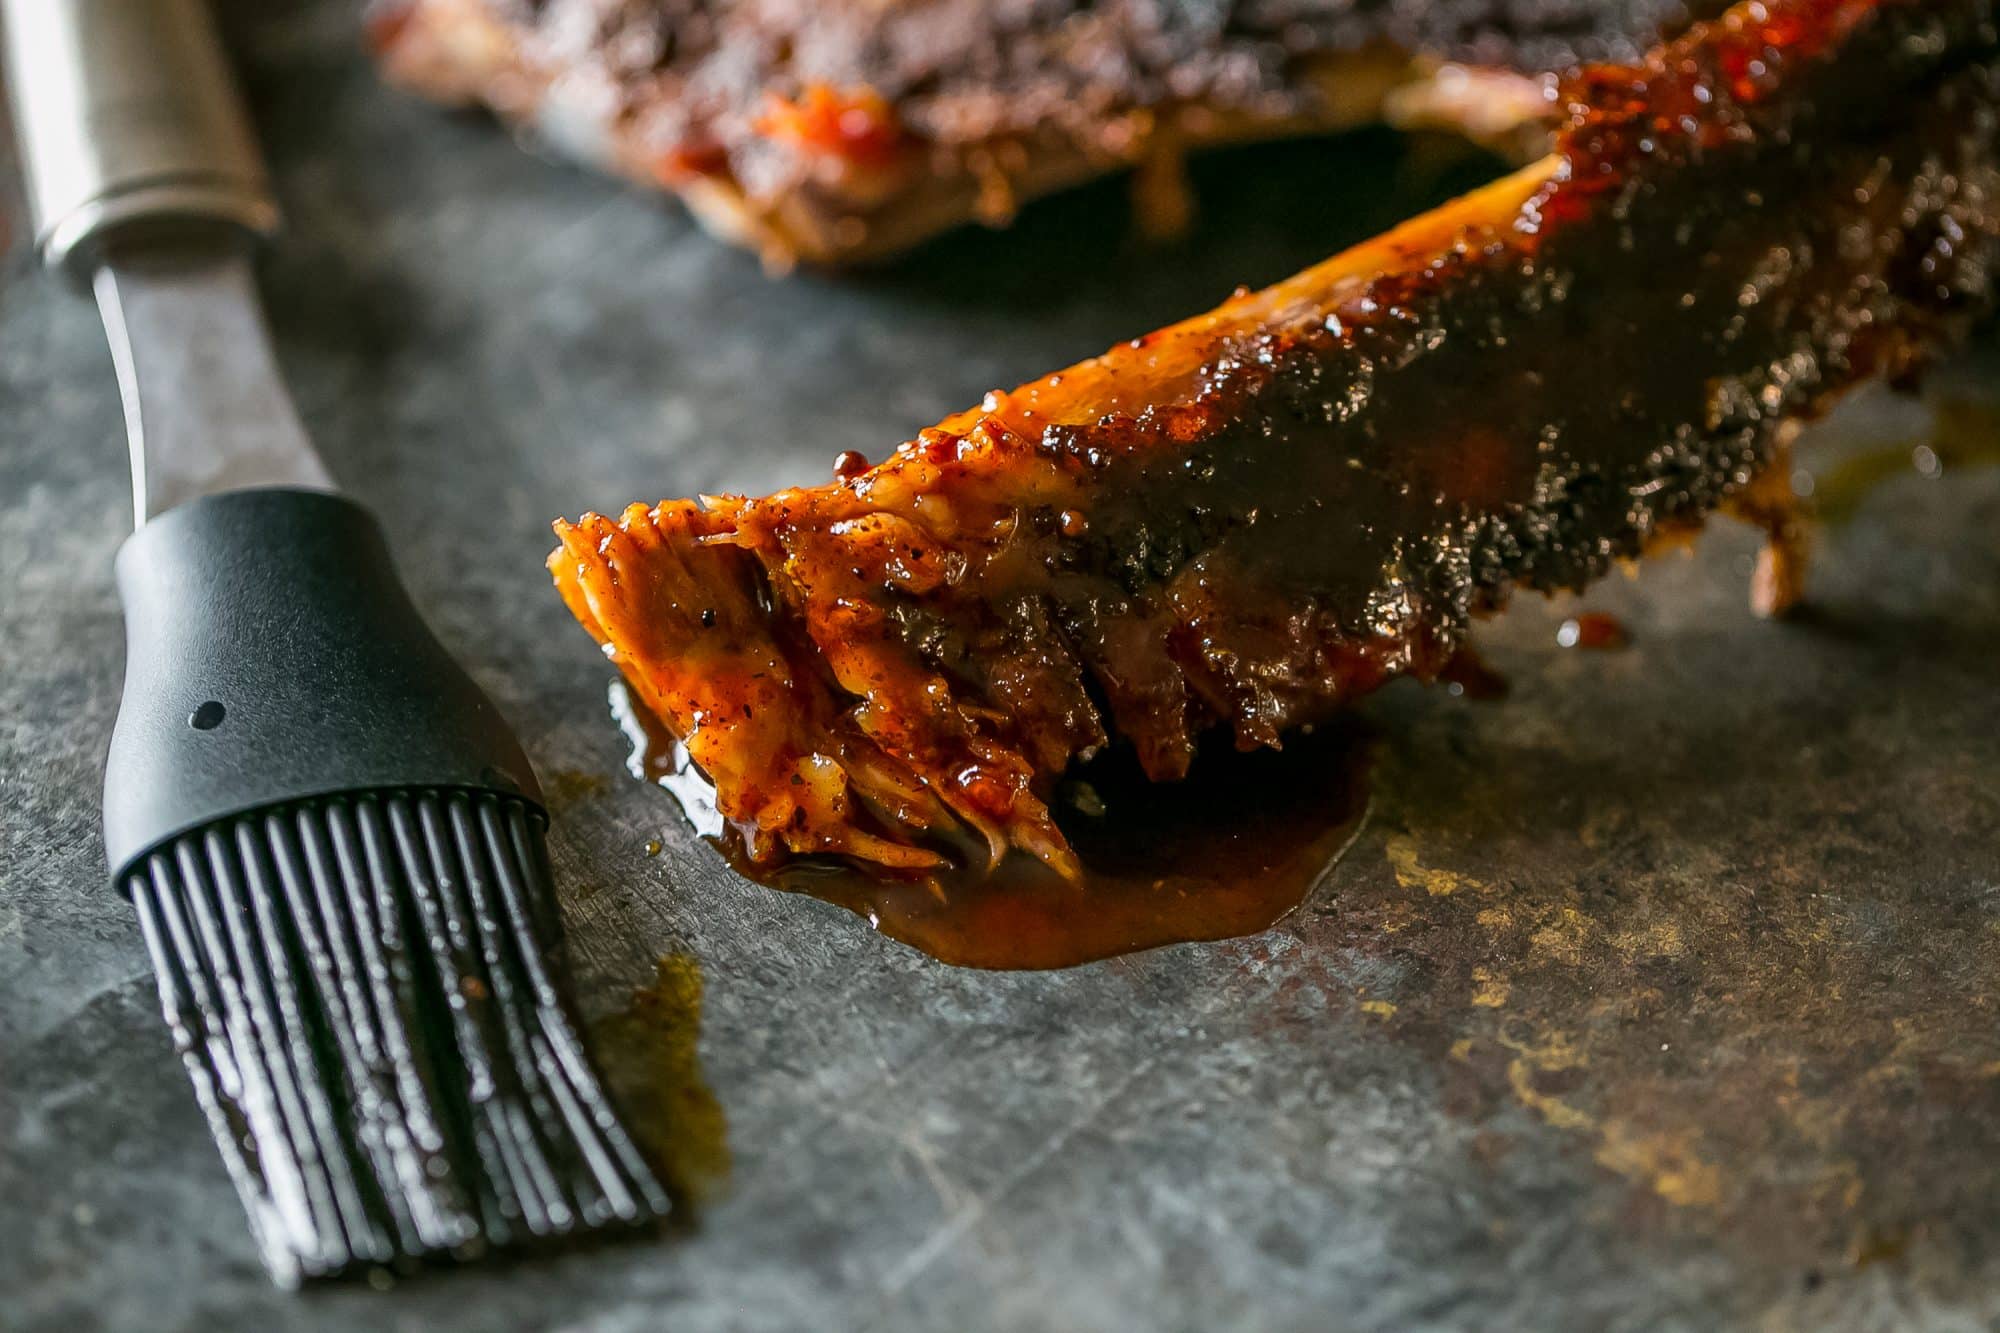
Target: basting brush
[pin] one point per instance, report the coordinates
(334, 845)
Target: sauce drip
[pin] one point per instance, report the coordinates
(1467, 674)
(1229, 851)
(1594, 630)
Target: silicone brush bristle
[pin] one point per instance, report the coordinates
(359, 990)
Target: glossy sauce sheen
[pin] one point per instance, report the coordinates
(1231, 851)
(1244, 522)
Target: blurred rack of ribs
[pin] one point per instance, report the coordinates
(839, 130)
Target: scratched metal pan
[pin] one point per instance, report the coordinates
(1660, 994)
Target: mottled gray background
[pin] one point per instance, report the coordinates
(1660, 995)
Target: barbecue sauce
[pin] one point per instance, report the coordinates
(1597, 631)
(651, 1052)
(1252, 518)
(1230, 851)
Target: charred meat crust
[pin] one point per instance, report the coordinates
(1248, 519)
(836, 131)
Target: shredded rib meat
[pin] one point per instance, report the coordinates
(1248, 519)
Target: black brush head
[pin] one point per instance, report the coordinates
(336, 850)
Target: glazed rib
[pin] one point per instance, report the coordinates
(837, 130)
(1249, 519)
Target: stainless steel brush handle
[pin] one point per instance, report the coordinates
(333, 842)
(145, 180)
(127, 119)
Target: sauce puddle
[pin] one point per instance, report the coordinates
(1229, 851)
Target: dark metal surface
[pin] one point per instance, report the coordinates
(1660, 994)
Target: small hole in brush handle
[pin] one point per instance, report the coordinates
(277, 617)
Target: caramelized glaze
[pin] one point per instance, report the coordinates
(1237, 525)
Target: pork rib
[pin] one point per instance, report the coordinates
(1250, 518)
(838, 130)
